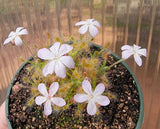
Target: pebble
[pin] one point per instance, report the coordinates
(124, 110)
(33, 119)
(24, 108)
(121, 105)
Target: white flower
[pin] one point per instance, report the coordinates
(48, 98)
(134, 50)
(92, 97)
(89, 24)
(14, 37)
(57, 59)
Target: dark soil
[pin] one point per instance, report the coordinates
(121, 113)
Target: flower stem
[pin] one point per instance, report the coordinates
(89, 38)
(117, 62)
(102, 50)
(28, 49)
(75, 53)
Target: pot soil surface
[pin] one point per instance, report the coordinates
(121, 113)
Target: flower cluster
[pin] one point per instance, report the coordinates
(69, 70)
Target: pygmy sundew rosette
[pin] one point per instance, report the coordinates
(63, 72)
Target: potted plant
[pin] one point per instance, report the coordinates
(75, 85)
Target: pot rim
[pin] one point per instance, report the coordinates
(141, 108)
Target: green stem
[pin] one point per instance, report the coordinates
(104, 63)
(89, 37)
(90, 54)
(101, 51)
(48, 41)
(74, 54)
(69, 74)
(94, 83)
(28, 49)
(108, 67)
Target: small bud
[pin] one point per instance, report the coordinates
(48, 35)
(64, 35)
(38, 61)
(16, 88)
(30, 102)
(78, 113)
(82, 45)
(25, 79)
(107, 45)
(65, 107)
(92, 39)
(71, 38)
(96, 53)
(84, 74)
(77, 73)
(35, 46)
(95, 61)
(111, 95)
(81, 37)
(57, 39)
(21, 59)
(105, 55)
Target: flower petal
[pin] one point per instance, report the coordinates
(45, 54)
(18, 41)
(96, 23)
(80, 98)
(91, 108)
(58, 101)
(93, 31)
(83, 29)
(53, 88)
(9, 39)
(49, 68)
(99, 89)
(138, 59)
(55, 48)
(19, 29)
(42, 89)
(47, 108)
(126, 47)
(40, 99)
(80, 23)
(142, 52)
(64, 49)
(23, 32)
(60, 70)
(86, 85)
(12, 33)
(126, 54)
(136, 47)
(67, 61)
(89, 21)
(102, 100)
